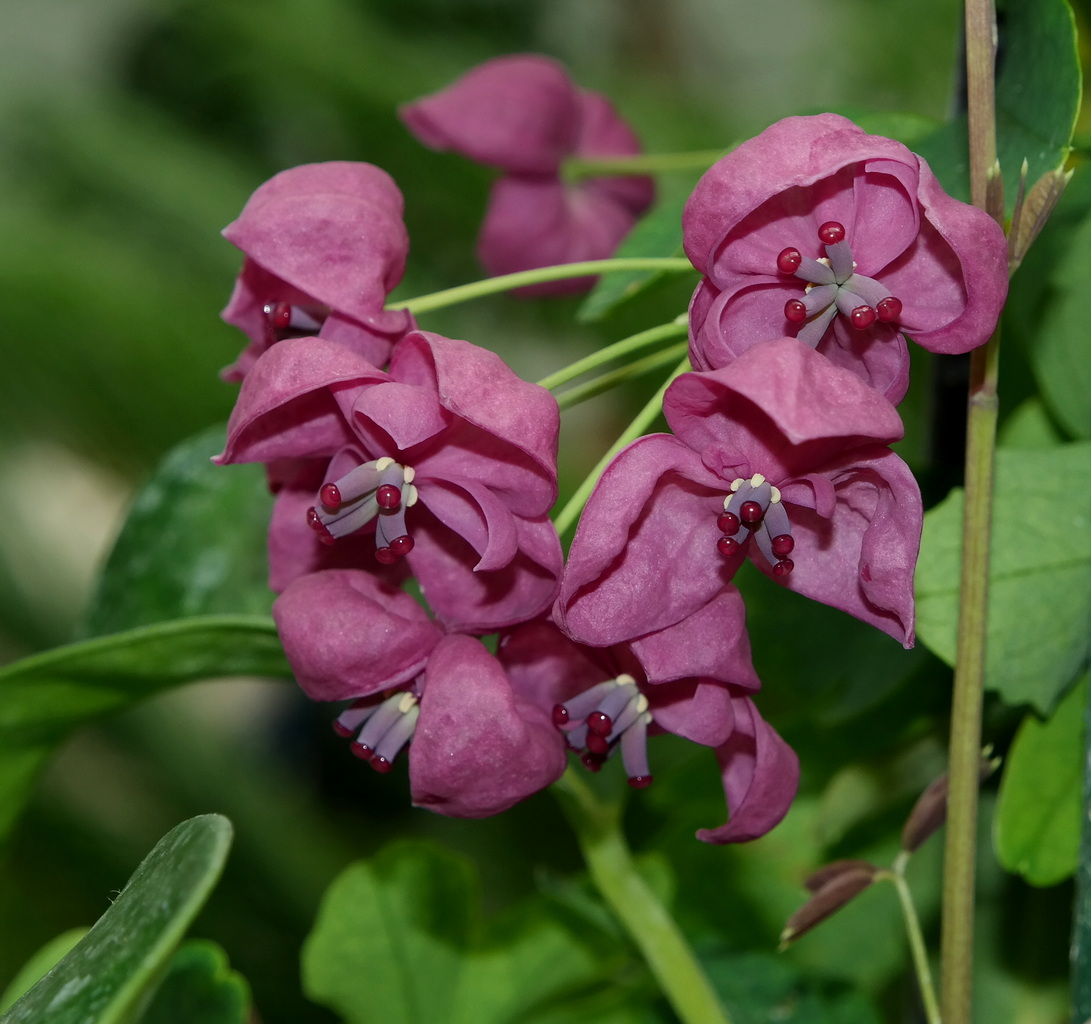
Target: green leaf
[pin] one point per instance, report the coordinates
(193, 543)
(1081, 926)
(657, 234)
(1040, 590)
(1039, 812)
(1038, 86)
(39, 965)
(199, 988)
(45, 696)
(107, 976)
(399, 940)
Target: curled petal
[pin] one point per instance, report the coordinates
(478, 749)
(347, 635)
(648, 529)
(760, 775)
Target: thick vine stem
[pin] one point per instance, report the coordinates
(965, 745)
(654, 932)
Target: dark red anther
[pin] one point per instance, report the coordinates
(361, 751)
(388, 496)
(862, 317)
(591, 762)
(319, 527)
(385, 556)
(330, 496)
(795, 312)
(402, 545)
(783, 567)
(280, 316)
(789, 260)
(641, 781)
(831, 232)
(599, 723)
(381, 764)
(889, 309)
(783, 545)
(728, 546)
(598, 745)
(560, 716)
(750, 512)
(342, 730)
(728, 524)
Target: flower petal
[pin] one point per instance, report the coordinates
(760, 775)
(478, 749)
(347, 635)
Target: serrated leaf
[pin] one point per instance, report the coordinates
(1040, 589)
(108, 975)
(1039, 811)
(199, 988)
(44, 697)
(400, 940)
(659, 233)
(193, 543)
(1038, 87)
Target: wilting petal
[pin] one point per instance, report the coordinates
(760, 775)
(477, 749)
(347, 635)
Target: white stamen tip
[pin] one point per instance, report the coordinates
(774, 494)
(381, 464)
(412, 497)
(408, 473)
(408, 701)
(737, 483)
(757, 480)
(642, 705)
(625, 680)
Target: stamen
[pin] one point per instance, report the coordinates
(862, 317)
(789, 260)
(754, 509)
(388, 728)
(831, 232)
(889, 309)
(286, 320)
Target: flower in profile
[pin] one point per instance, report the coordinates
(814, 229)
(476, 743)
(324, 245)
(523, 115)
(780, 456)
(447, 462)
(693, 679)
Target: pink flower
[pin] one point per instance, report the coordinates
(816, 230)
(693, 679)
(477, 744)
(780, 456)
(447, 461)
(324, 245)
(525, 116)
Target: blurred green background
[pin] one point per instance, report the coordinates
(131, 132)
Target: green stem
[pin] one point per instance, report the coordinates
(617, 350)
(957, 947)
(575, 168)
(654, 932)
(568, 515)
(916, 939)
(597, 385)
(507, 282)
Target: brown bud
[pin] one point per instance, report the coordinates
(930, 810)
(828, 872)
(845, 880)
(1032, 210)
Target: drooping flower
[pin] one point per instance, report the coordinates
(476, 743)
(523, 115)
(324, 245)
(448, 462)
(693, 679)
(780, 456)
(814, 229)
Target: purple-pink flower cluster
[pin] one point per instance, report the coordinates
(398, 454)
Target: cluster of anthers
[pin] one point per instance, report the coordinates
(754, 509)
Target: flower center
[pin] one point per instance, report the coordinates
(284, 320)
(610, 716)
(383, 726)
(754, 509)
(834, 286)
(381, 490)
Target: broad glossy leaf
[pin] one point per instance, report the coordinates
(1038, 815)
(193, 543)
(1040, 591)
(400, 940)
(657, 234)
(1038, 86)
(44, 697)
(108, 974)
